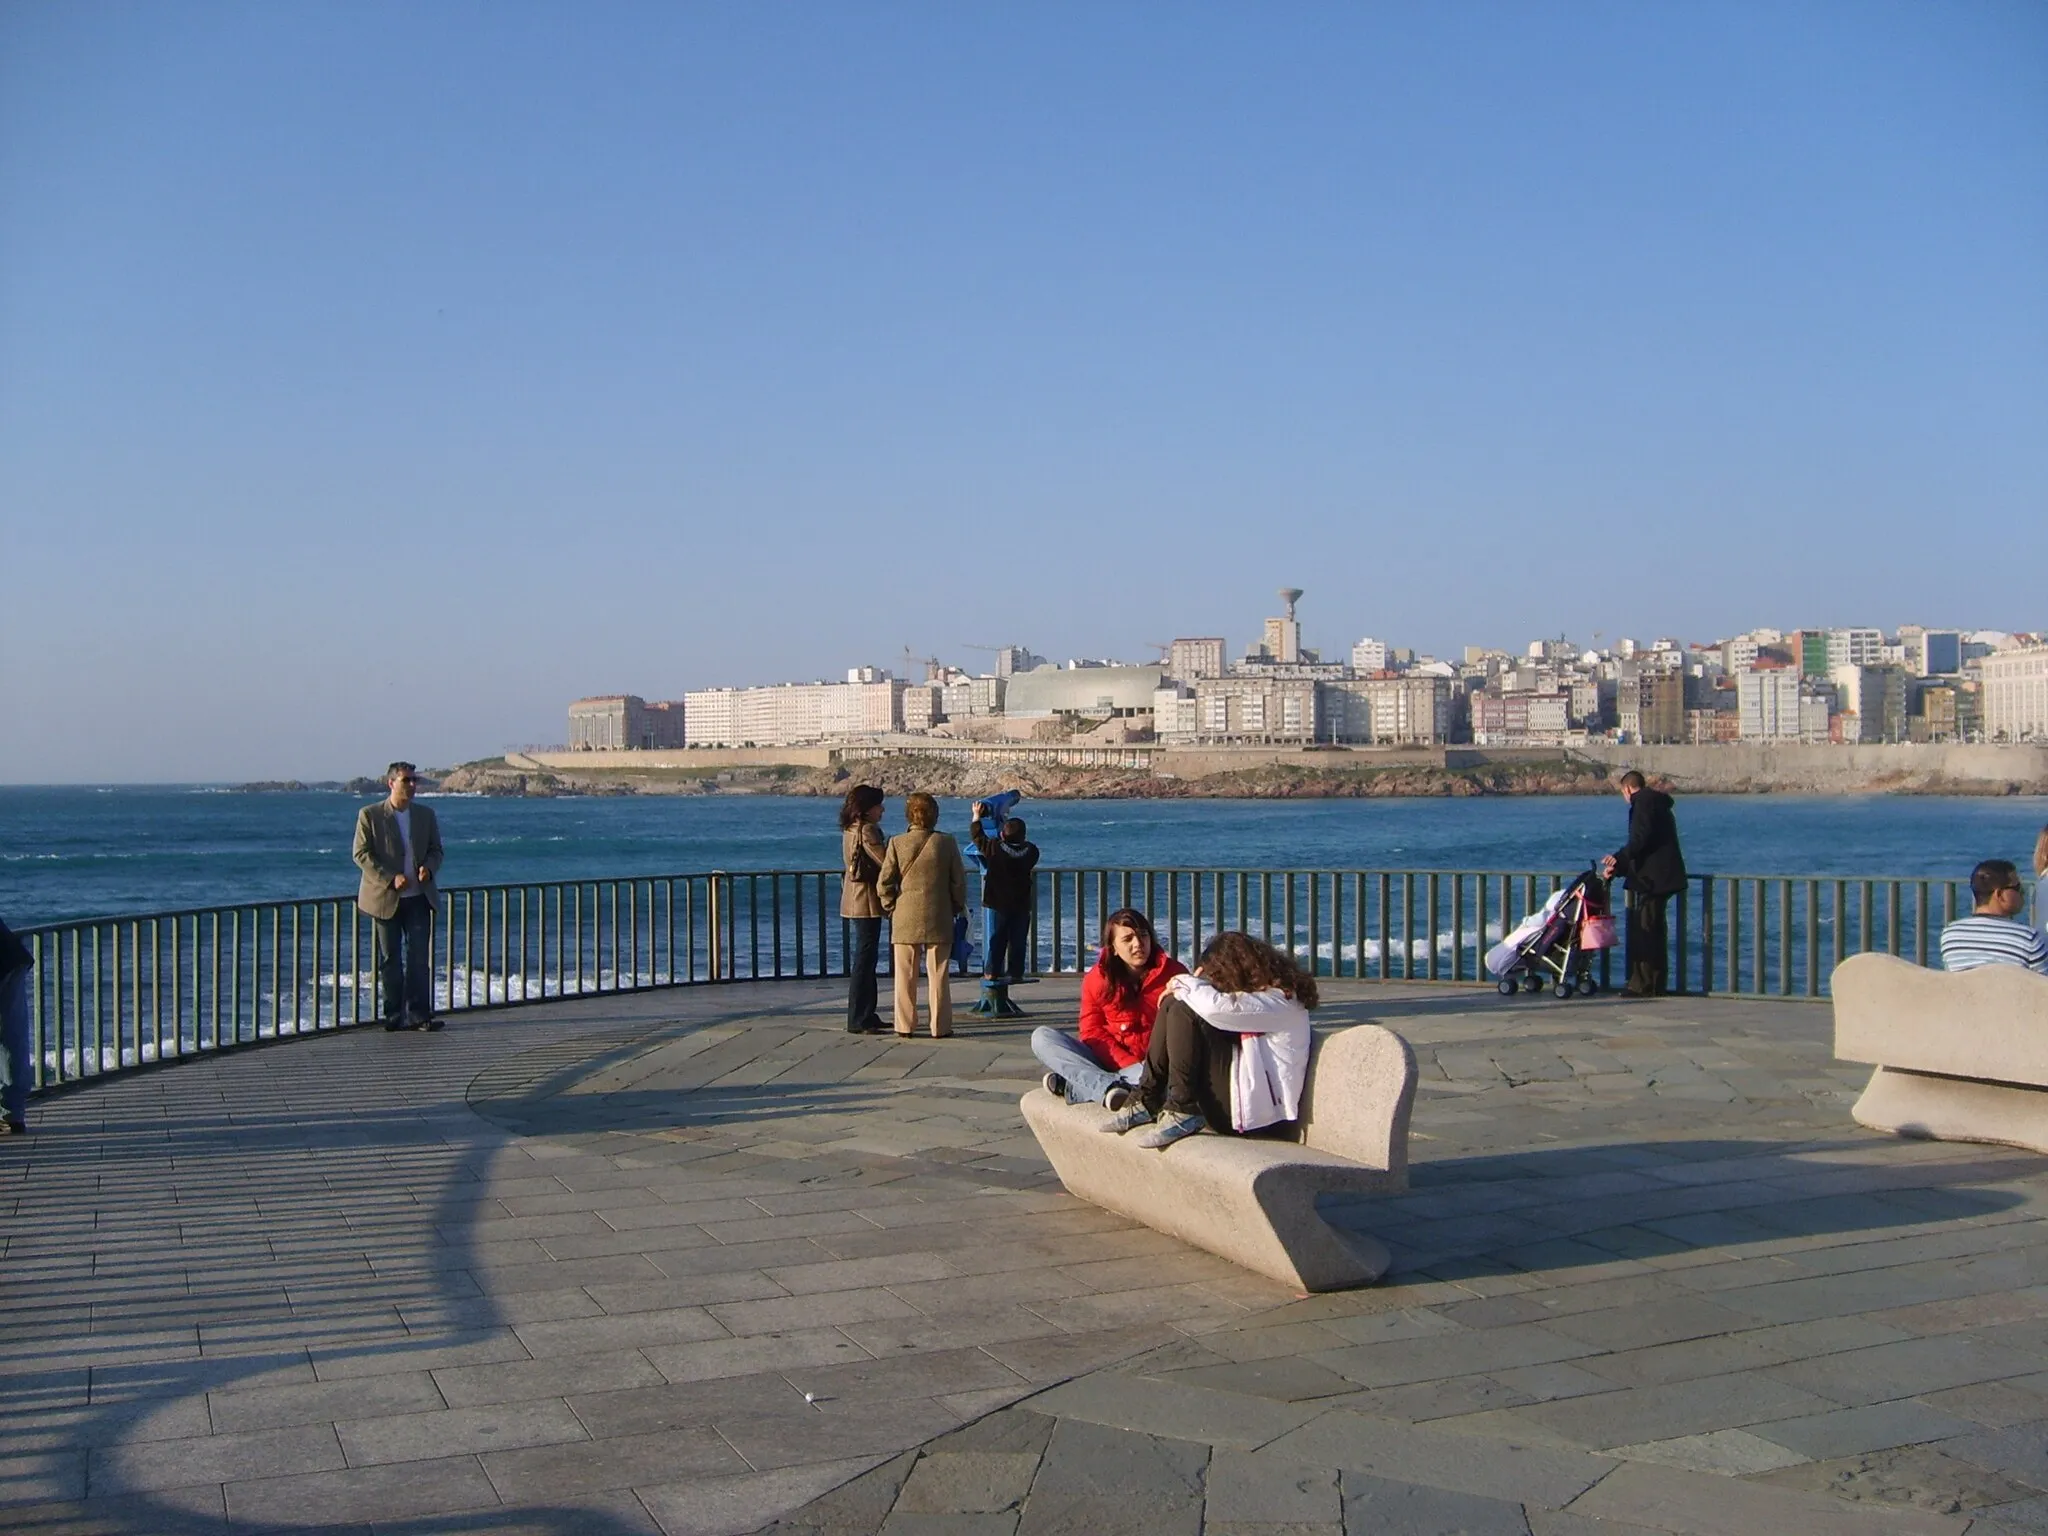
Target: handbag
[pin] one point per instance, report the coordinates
(1597, 933)
(862, 867)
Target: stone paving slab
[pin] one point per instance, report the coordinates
(696, 1261)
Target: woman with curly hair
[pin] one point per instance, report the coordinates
(1230, 1049)
(923, 887)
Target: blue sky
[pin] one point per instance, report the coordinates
(374, 378)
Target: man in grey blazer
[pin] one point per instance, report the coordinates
(398, 849)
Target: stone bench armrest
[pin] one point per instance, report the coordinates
(1958, 1056)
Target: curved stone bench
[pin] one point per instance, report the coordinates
(1250, 1200)
(1960, 1057)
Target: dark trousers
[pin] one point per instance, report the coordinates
(1006, 935)
(860, 974)
(1187, 1066)
(405, 962)
(1649, 962)
(16, 1025)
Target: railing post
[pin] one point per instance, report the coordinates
(714, 906)
(1812, 938)
(1458, 927)
(1433, 895)
(1706, 938)
(1683, 914)
(1386, 965)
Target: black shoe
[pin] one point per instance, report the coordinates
(392, 1026)
(13, 1127)
(872, 1027)
(432, 1026)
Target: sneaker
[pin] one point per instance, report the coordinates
(1172, 1127)
(435, 1024)
(1116, 1096)
(1129, 1118)
(1055, 1085)
(13, 1127)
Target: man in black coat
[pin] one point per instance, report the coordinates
(1655, 870)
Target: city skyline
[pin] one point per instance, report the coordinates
(909, 659)
(379, 377)
(1846, 685)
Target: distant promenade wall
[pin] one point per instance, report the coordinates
(696, 758)
(1795, 767)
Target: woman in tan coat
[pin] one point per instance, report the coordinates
(860, 860)
(923, 886)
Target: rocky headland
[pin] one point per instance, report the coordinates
(1290, 775)
(940, 776)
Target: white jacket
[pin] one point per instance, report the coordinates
(1272, 1051)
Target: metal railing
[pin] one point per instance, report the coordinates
(113, 993)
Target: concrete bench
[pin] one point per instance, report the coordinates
(1960, 1057)
(1251, 1200)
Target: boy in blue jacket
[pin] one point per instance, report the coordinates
(1008, 877)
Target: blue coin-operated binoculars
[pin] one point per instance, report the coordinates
(999, 807)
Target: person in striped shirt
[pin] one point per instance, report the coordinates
(1994, 933)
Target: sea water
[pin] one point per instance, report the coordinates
(72, 852)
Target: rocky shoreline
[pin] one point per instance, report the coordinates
(938, 776)
(1302, 778)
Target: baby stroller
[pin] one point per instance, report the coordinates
(1555, 945)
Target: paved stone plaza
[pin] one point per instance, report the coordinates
(699, 1262)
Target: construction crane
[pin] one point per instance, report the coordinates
(934, 669)
(1006, 655)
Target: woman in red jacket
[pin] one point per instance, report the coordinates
(1119, 1000)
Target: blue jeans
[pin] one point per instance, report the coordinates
(860, 973)
(1006, 934)
(1087, 1078)
(405, 963)
(14, 1039)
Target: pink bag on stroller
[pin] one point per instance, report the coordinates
(1597, 933)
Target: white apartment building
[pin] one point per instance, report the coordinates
(922, 708)
(1767, 705)
(1253, 708)
(1369, 656)
(1175, 715)
(870, 707)
(1520, 719)
(783, 714)
(1414, 710)
(1855, 648)
(792, 714)
(973, 697)
(2016, 694)
(1197, 656)
(711, 717)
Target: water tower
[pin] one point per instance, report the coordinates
(1283, 635)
